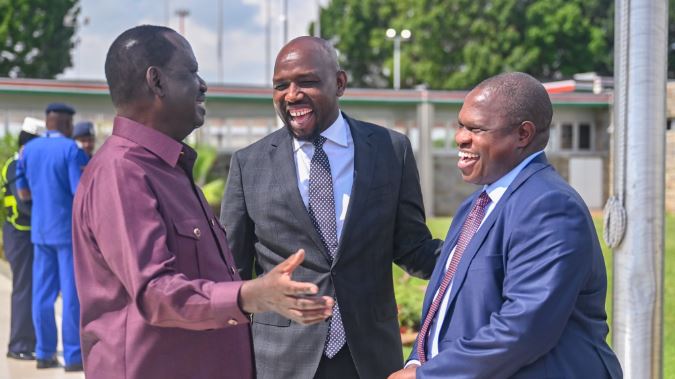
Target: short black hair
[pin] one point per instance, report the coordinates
(129, 57)
(522, 98)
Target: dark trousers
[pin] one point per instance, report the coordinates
(19, 253)
(341, 366)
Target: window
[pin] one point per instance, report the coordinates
(567, 134)
(584, 137)
(575, 136)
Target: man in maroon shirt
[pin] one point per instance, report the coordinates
(160, 295)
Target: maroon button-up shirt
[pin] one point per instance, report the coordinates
(156, 280)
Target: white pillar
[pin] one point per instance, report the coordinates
(425, 163)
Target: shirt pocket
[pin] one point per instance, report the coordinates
(188, 236)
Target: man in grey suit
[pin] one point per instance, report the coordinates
(347, 192)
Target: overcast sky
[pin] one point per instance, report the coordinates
(243, 33)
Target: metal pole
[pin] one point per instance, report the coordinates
(167, 14)
(284, 12)
(268, 42)
(220, 41)
(317, 25)
(638, 260)
(397, 62)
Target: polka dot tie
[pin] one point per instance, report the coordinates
(322, 213)
(469, 228)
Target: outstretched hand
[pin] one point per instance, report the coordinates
(277, 292)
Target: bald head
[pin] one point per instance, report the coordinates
(307, 85)
(520, 97)
(313, 45)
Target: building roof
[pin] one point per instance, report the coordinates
(562, 93)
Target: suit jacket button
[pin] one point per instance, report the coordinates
(213, 222)
(232, 322)
(232, 270)
(197, 232)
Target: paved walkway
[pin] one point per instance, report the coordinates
(14, 369)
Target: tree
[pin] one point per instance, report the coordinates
(356, 28)
(457, 43)
(36, 37)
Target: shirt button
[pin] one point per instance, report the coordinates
(232, 322)
(233, 271)
(197, 232)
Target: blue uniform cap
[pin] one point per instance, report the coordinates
(60, 108)
(83, 129)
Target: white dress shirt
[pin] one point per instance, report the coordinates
(495, 191)
(339, 148)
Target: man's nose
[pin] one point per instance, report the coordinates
(202, 85)
(462, 137)
(294, 93)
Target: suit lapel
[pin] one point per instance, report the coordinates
(537, 164)
(283, 163)
(365, 151)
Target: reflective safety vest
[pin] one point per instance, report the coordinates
(19, 220)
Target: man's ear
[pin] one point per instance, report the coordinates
(526, 132)
(341, 82)
(153, 78)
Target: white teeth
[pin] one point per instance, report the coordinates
(298, 113)
(464, 154)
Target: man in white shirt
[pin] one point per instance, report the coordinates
(347, 192)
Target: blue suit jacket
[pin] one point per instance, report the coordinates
(528, 297)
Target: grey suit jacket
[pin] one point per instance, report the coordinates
(266, 221)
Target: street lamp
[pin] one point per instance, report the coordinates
(182, 14)
(405, 35)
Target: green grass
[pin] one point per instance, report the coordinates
(669, 300)
(410, 290)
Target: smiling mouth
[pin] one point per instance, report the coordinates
(300, 116)
(466, 159)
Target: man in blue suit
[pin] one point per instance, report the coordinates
(519, 290)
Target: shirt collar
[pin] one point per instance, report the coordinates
(158, 143)
(497, 189)
(336, 133)
(53, 133)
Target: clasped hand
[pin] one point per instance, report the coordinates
(409, 372)
(277, 292)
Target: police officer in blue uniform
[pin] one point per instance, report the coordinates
(49, 170)
(85, 137)
(19, 252)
